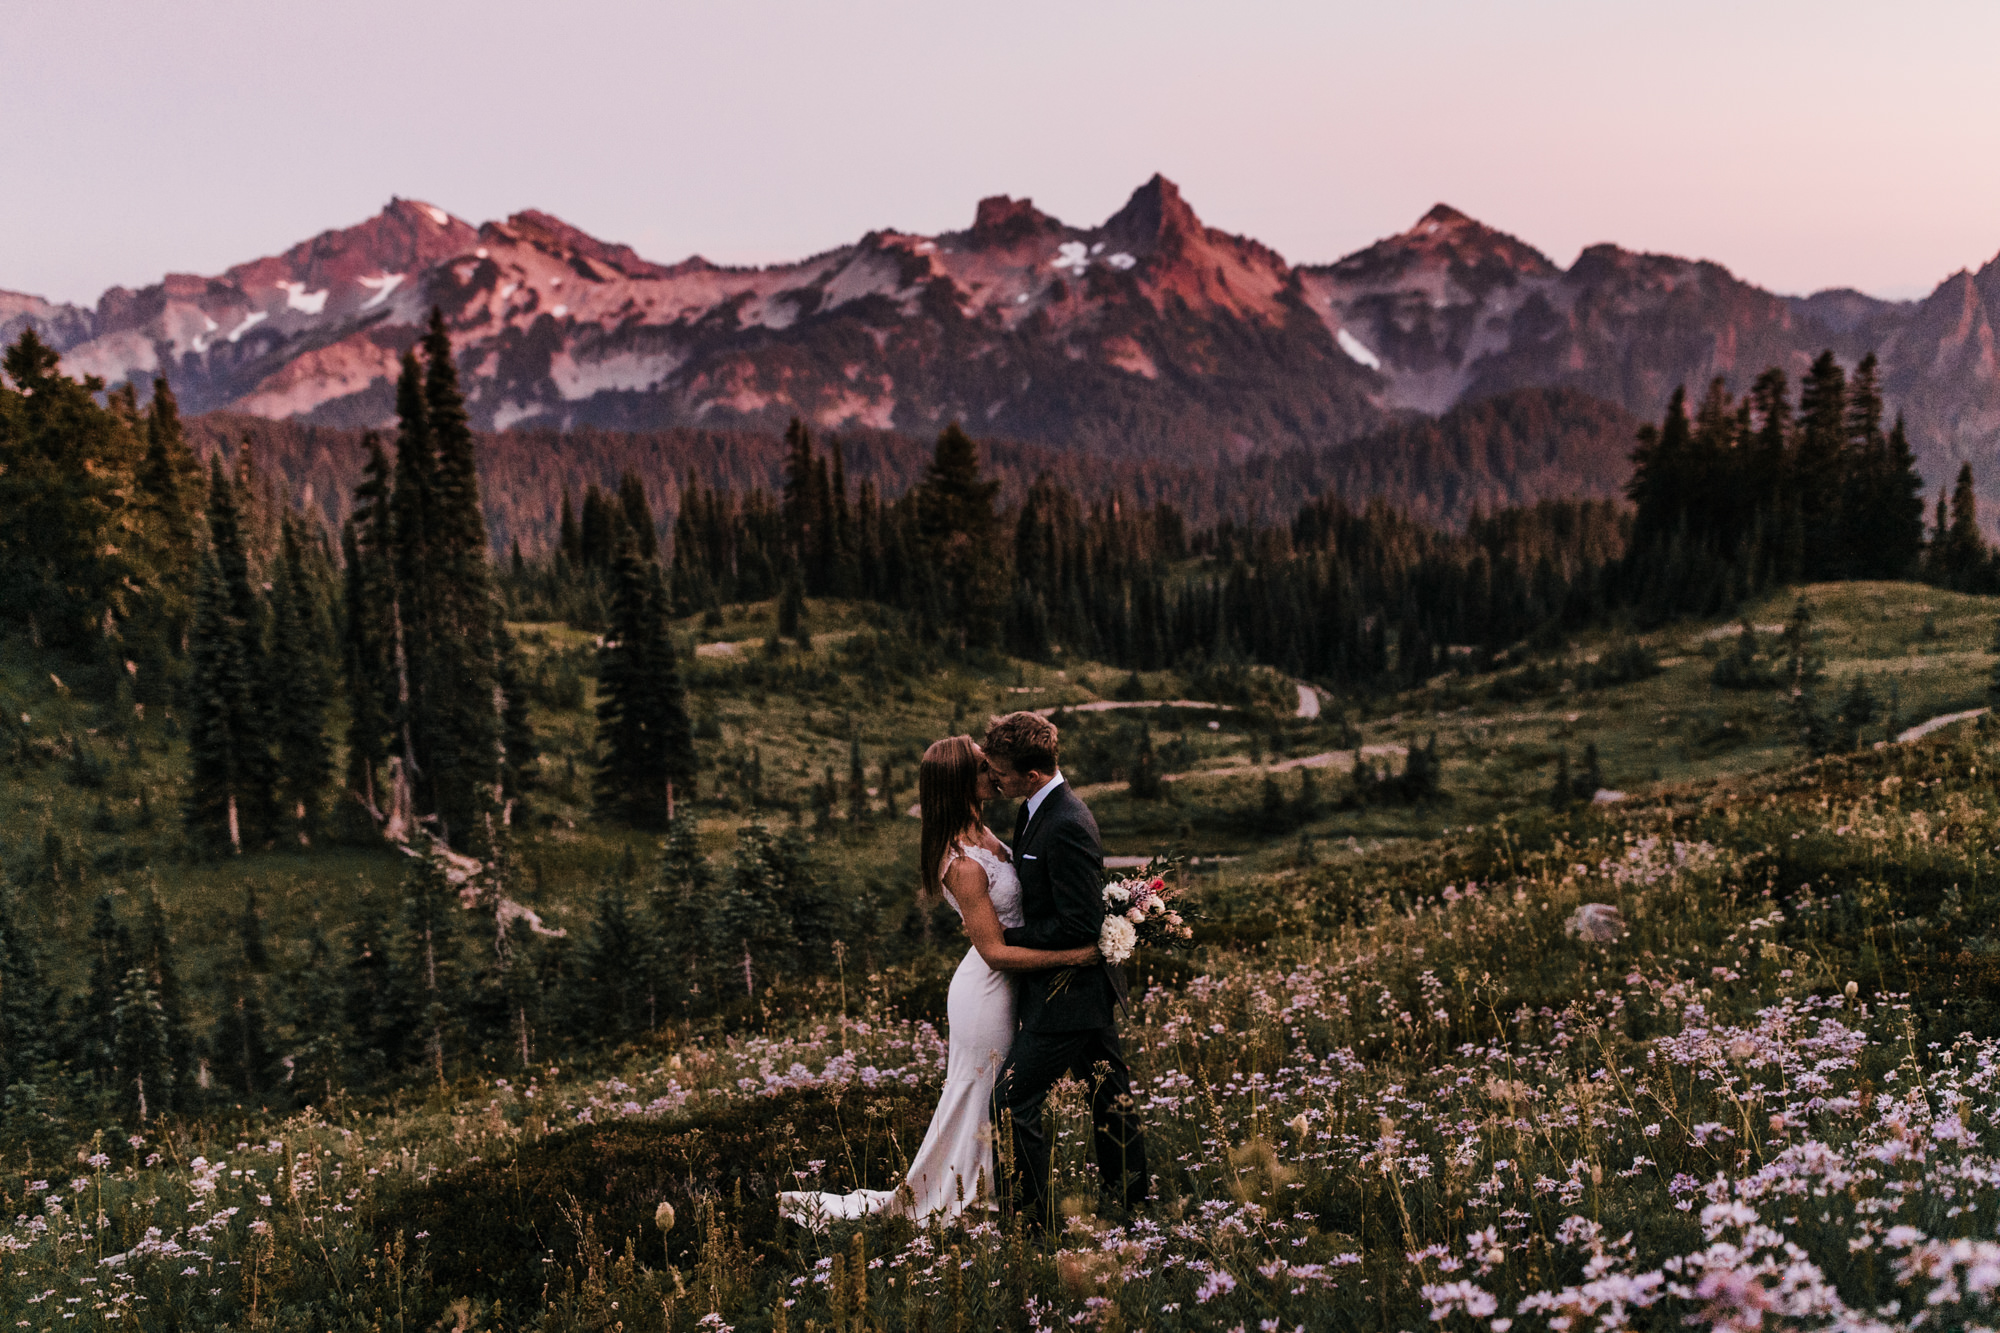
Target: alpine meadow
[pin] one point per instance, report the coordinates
(458, 868)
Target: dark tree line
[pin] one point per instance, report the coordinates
(416, 990)
(1355, 598)
(1750, 494)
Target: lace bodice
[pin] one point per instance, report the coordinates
(1003, 886)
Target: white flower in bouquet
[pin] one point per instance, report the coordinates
(1117, 940)
(1117, 893)
(1135, 915)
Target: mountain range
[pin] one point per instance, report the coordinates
(1151, 336)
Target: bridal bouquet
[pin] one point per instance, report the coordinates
(1140, 911)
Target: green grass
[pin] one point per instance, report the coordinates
(1350, 989)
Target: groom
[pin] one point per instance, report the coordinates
(1065, 1014)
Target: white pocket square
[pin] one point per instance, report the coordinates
(1029, 856)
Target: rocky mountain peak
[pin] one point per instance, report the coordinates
(1004, 221)
(554, 236)
(1445, 238)
(1155, 217)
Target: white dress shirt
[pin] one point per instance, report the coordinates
(1035, 801)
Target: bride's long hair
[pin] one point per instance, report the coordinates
(948, 799)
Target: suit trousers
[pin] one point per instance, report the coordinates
(1094, 1057)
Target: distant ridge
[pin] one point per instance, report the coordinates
(1151, 335)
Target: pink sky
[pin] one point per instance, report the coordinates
(1802, 145)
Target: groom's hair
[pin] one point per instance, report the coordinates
(1028, 741)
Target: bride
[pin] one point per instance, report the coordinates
(960, 857)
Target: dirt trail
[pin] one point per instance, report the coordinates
(1923, 729)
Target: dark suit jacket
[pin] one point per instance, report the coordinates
(1061, 865)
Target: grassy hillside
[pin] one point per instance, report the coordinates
(1389, 1088)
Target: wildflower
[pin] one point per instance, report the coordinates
(1218, 1283)
(1450, 1297)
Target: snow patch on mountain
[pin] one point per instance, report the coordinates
(381, 286)
(511, 414)
(297, 298)
(250, 321)
(582, 374)
(853, 408)
(1354, 348)
(320, 376)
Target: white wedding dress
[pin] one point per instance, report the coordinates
(953, 1170)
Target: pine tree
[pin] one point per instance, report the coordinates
(597, 536)
(1899, 536)
(245, 1059)
(428, 967)
(682, 897)
(801, 507)
(69, 504)
(410, 521)
(146, 1076)
(304, 754)
(464, 757)
(319, 1066)
(30, 1022)
(377, 1016)
(1146, 785)
(746, 927)
(857, 784)
(1859, 710)
(368, 654)
(614, 981)
(569, 538)
(229, 778)
(520, 753)
(1963, 563)
(638, 516)
(642, 722)
(94, 1027)
(168, 479)
(1305, 805)
(792, 620)
(155, 955)
(1819, 464)
(958, 531)
(1562, 792)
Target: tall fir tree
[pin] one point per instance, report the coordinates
(245, 1055)
(410, 524)
(30, 1005)
(638, 515)
(70, 573)
(232, 779)
(520, 761)
(169, 481)
(429, 965)
(643, 730)
(1963, 559)
(464, 767)
(958, 530)
(300, 653)
(368, 648)
(1819, 464)
(154, 955)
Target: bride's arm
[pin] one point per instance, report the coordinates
(967, 881)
